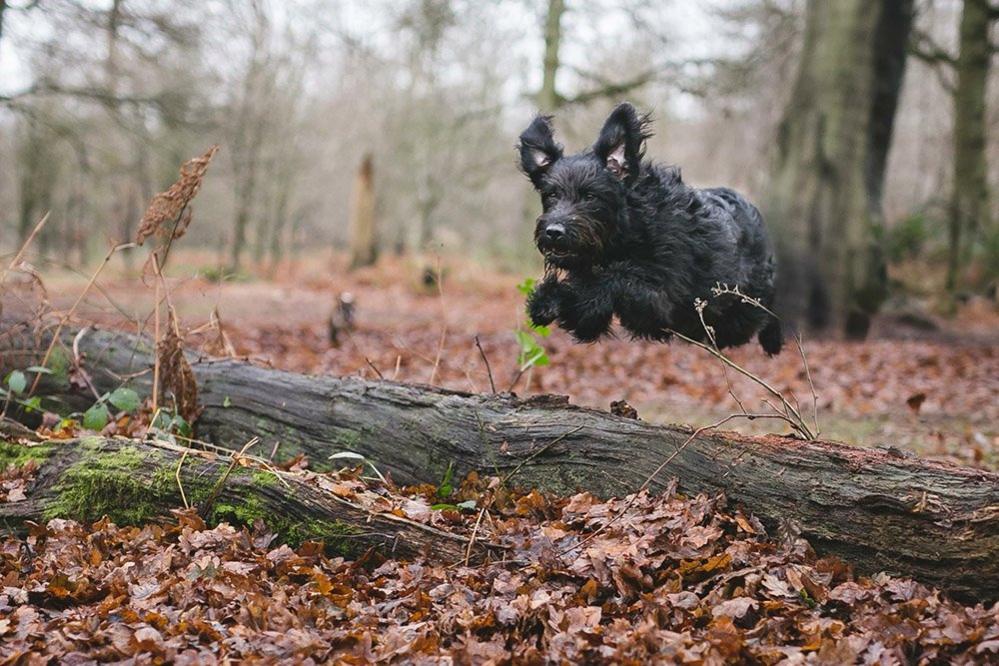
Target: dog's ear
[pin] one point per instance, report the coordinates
(621, 144)
(538, 150)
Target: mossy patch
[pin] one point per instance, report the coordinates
(116, 482)
(260, 478)
(292, 531)
(20, 454)
(106, 482)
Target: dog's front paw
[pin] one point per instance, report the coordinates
(544, 303)
(587, 311)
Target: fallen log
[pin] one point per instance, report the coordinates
(133, 483)
(875, 508)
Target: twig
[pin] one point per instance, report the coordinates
(156, 337)
(221, 482)
(489, 370)
(794, 417)
(372, 366)
(180, 485)
(811, 385)
(471, 539)
(72, 310)
(78, 362)
(24, 247)
(440, 344)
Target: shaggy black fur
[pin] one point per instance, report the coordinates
(621, 235)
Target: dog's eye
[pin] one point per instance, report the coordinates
(589, 196)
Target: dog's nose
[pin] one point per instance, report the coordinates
(554, 232)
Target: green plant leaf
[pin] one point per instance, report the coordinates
(182, 427)
(125, 400)
(97, 417)
(527, 286)
(162, 421)
(40, 369)
(443, 506)
(17, 382)
(445, 489)
(226, 402)
(543, 331)
(467, 505)
(32, 404)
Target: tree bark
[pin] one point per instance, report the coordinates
(825, 198)
(3, 10)
(970, 198)
(875, 508)
(548, 97)
(363, 240)
(132, 483)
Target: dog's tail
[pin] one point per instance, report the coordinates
(771, 337)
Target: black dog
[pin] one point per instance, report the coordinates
(623, 236)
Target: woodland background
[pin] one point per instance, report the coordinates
(793, 103)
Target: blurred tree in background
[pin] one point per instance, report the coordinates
(802, 104)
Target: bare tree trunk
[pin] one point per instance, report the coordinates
(278, 224)
(832, 145)
(37, 177)
(875, 508)
(3, 10)
(363, 237)
(239, 233)
(548, 97)
(969, 209)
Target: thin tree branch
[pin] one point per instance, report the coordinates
(923, 47)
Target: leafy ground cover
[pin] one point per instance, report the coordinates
(671, 578)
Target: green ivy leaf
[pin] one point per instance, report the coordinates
(125, 400)
(32, 404)
(17, 382)
(97, 417)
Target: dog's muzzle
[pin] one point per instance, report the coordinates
(551, 237)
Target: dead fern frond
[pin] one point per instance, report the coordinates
(168, 216)
(176, 376)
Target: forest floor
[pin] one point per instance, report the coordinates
(934, 392)
(671, 578)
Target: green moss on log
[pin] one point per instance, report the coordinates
(20, 454)
(335, 534)
(116, 481)
(109, 482)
